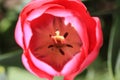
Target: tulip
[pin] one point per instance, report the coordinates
(58, 38)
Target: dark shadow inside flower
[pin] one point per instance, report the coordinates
(54, 42)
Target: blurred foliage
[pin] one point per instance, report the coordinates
(22, 75)
(107, 65)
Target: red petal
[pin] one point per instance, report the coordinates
(28, 63)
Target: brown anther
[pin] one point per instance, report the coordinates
(50, 46)
(68, 45)
(61, 51)
(66, 34)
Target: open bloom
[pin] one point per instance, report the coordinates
(58, 37)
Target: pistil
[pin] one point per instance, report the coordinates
(58, 39)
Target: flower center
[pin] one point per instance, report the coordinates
(53, 41)
(59, 41)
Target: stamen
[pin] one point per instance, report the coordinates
(59, 41)
(50, 35)
(50, 46)
(68, 45)
(66, 34)
(61, 51)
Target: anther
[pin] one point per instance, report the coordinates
(61, 51)
(50, 35)
(66, 34)
(68, 45)
(50, 46)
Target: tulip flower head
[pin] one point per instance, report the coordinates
(58, 38)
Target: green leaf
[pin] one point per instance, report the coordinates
(110, 49)
(117, 67)
(2, 73)
(114, 44)
(91, 74)
(15, 73)
(97, 75)
(11, 59)
(58, 78)
(97, 71)
(4, 25)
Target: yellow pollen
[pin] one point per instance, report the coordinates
(58, 38)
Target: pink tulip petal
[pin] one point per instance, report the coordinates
(92, 56)
(25, 62)
(33, 69)
(70, 65)
(59, 12)
(27, 33)
(39, 11)
(19, 34)
(73, 66)
(43, 66)
(56, 0)
(30, 7)
(81, 29)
